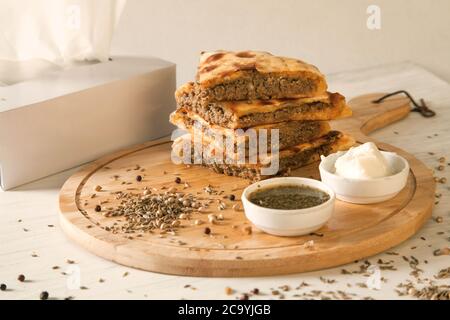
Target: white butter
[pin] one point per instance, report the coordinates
(363, 162)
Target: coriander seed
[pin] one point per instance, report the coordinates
(201, 209)
(175, 223)
(212, 218)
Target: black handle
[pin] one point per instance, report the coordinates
(422, 108)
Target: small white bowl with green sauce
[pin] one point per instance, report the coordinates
(288, 206)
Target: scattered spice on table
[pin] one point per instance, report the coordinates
(442, 252)
(327, 281)
(247, 230)
(443, 274)
(422, 289)
(44, 295)
(244, 297)
(284, 288)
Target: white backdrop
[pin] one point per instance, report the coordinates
(329, 33)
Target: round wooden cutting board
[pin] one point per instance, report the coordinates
(354, 231)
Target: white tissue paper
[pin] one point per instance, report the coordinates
(63, 102)
(59, 31)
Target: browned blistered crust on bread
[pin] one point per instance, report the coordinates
(243, 114)
(250, 75)
(218, 66)
(290, 133)
(289, 159)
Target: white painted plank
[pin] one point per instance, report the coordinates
(36, 205)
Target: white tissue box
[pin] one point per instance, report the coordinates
(66, 118)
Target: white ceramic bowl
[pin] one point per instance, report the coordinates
(288, 222)
(365, 191)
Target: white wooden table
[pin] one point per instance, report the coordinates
(32, 243)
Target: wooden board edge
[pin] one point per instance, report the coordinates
(232, 268)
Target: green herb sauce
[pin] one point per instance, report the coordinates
(288, 197)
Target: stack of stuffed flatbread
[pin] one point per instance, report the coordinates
(248, 109)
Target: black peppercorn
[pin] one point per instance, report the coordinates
(207, 230)
(232, 197)
(139, 178)
(3, 287)
(21, 278)
(255, 291)
(177, 180)
(244, 297)
(44, 295)
(98, 208)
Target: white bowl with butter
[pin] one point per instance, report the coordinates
(288, 222)
(364, 174)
